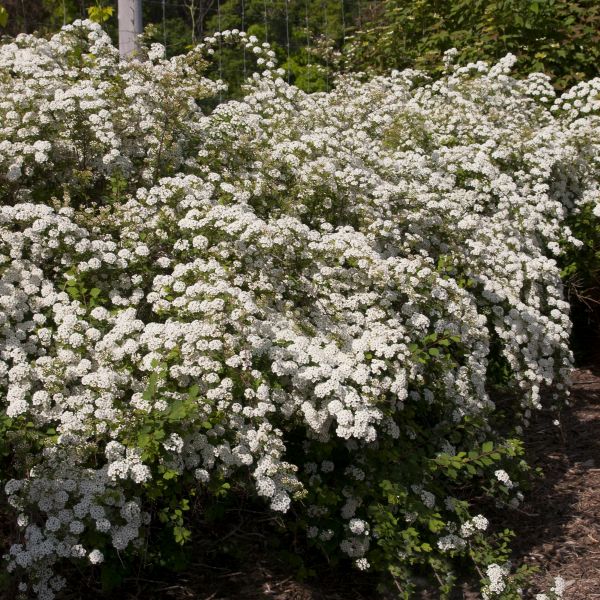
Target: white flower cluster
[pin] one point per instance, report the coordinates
(458, 541)
(557, 591)
(477, 523)
(497, 580)
(503, 477)
(281, 264)
(74, 115)
(451, 542)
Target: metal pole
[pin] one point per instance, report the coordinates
(287, 37)
(130, 26)
(164, 24)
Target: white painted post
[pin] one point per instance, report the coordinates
(130, 26)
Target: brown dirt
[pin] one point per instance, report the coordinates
(559, 526)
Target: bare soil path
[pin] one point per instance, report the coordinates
(559, 525)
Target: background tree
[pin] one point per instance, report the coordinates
(558, 37)
(314, 39)
(307, 36)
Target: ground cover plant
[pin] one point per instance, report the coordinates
(308, 298)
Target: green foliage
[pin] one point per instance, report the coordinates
(77, 289)
(581, 274)
(406, 525)
(44, 16)
(99, 13)
(170, 491)
(435, 346)
(306, 37)
(3, 16)
(557, 37)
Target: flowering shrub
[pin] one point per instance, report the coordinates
(310, 296)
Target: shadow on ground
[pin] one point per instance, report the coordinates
(559, 525)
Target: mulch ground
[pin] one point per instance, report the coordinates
(558, 525)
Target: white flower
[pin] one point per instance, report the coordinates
(287, 268)
(95, 557)
(478, 522)
(357, 526)
(497, 576)
(559, 586)
(502, 477)
(451, 542)
(327, 466)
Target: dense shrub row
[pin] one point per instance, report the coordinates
(305, 298)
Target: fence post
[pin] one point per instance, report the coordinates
(130, 26)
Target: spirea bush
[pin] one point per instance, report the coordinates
(308, 299)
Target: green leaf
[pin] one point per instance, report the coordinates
(177, 411)
(487, 447)
(143, 439)
(434, 352)
(435, 525)
(443, 460)
(3, 16)
(151, 388)
(100, 14)
(181, 535)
